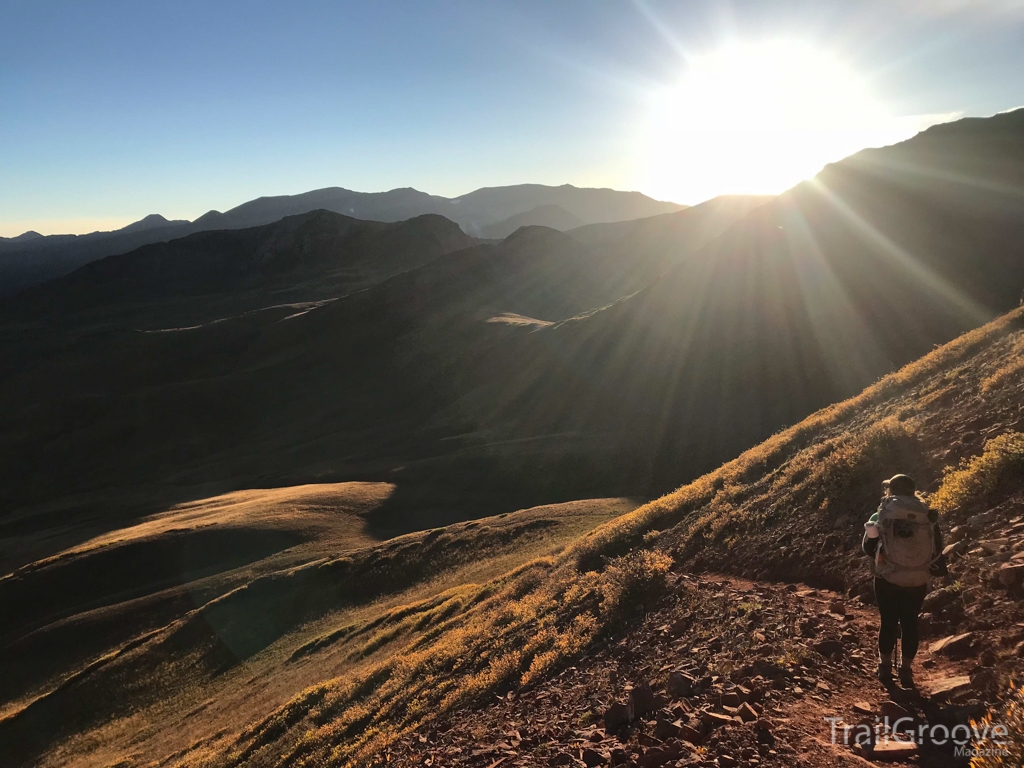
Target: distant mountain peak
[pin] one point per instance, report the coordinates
(544, 216)
(531, 232)
(152, 221)
(498, 210)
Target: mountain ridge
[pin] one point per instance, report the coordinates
(26, 263)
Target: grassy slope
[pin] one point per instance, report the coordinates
(237, 640)
(788, 507)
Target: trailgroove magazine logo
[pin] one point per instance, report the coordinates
(974, 740)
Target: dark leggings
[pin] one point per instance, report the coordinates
(898, 607)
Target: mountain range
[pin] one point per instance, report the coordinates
(611, 359)
(30, 258)
(268, 488)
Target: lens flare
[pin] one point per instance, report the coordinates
(757, 119)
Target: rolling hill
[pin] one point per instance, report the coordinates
(26, 261)
(284, 661)
(615, 359)
(195, 368)
(553, 216)
(808, 299)
(305, 257)
(290, 492)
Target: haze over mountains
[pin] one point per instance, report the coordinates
(637, 354)
(30, 259)
(209, 438)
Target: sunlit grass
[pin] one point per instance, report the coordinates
(979, 477)
(520, 627)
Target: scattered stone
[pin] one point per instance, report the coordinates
(593, 758)
(747, 713)
(863, 708)
(766, 669)
(1011, 573)
(983, 679)
(654, 757)
(893, 711)
(982, 518)
(616, 716)
(892, 750)
(730, 699)
(829, 648)
(992, 545)
(641, 702)
(679, 685)
(665, 730)
(681, 627)
(714, 720)
(959, 533)
(949, 687)
(955, 550)
(690, 734)
(954, 645)
(937, 600)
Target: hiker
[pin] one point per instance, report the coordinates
(904, 543)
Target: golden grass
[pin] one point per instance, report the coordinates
(511, 634)
(979, 477)
(412, 598)
(1013, 368)
(326, 505)
(1007, 748)
(830, 466)
(523, 625)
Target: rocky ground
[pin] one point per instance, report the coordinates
(725, 673)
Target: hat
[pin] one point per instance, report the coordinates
(900, 485)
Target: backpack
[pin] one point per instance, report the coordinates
(906, 548)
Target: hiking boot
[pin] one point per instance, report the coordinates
(906, 676)
(885, 673)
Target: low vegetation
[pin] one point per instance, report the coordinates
(995, 751)
(770, 511)
(981, 478)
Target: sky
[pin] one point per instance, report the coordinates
(110, 111)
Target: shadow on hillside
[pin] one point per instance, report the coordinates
(447, 490)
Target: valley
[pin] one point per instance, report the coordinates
(327, 488)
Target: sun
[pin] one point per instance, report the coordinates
(757, 119)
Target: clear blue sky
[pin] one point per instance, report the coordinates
(112, 110)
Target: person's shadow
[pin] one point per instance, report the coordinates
(936, 726)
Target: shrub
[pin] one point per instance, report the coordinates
(855, 465)
(1011, 370)
(638, 578)
(1010, 715)
(982, 477)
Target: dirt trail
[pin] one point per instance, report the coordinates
(725, 673)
